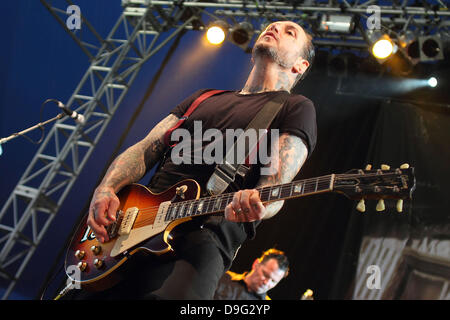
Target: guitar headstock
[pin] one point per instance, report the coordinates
(377, 184)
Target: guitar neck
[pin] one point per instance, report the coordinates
(216, 204)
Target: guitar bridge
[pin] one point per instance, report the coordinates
(128, 220)
(113, 228)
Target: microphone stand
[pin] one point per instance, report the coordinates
(14, 135)
(40, 124)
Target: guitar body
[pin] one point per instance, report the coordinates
(149, 233)
(145, 219)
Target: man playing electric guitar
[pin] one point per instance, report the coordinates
(204, 248)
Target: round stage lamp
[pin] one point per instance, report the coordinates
(215, 34)
(241, 33)
(430, 48)
(382, 49)
(432, 82)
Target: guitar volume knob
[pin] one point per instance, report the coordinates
(98, 263)
(82, 265)
(80, 254)
(96, 250)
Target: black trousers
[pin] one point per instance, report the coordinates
(191, 273)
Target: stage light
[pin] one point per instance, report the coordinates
(431, 48)
(383, 48)
(432, 82)
(216, 32)
(409, 45)
(241, 34)
(337, 23)
(413, 50)
(421, 48)
(215, 35)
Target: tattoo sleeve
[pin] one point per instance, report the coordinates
(292, 154)
(133, 163)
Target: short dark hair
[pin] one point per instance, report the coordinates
(308, 53)
(283, 262)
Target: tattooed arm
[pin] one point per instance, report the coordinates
(292, 156)
(134, 162)
(128, 167)
(246, 204)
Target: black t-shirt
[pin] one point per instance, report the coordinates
(231, 110)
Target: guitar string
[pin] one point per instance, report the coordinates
(263, 191)
(267, 188)
(227, 197)
(148, 214)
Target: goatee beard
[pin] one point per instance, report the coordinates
(269, 52)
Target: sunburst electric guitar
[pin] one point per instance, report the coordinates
(145, 219)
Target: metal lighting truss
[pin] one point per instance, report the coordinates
(34, 202)
(398, 18)
(142, 29)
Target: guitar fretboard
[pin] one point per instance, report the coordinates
(216, 204)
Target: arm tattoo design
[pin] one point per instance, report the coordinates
(134, 162)
(292, 155)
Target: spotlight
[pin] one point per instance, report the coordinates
(241, 34)
(409, 45)
(216, 32)
(382, 46)
(337, 23)
(432, 82)
(413, 50)
(430, 48)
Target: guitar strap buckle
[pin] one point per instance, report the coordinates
(219, 181)
(223, 176)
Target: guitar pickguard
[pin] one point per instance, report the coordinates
(138, 235)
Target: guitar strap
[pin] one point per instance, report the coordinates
(191, 109)
(225, 173)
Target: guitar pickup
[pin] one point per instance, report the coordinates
(128, 220)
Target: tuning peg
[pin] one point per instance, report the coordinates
(380, 205)
(385, 167)
(404, 166)
(400, 205)
(369, 167)
(361, 206)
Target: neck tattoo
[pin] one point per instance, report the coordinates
(282, 83)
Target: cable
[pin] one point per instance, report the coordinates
(66, 289)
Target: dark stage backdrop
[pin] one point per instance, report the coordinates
(328, 242)
(411, 248)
